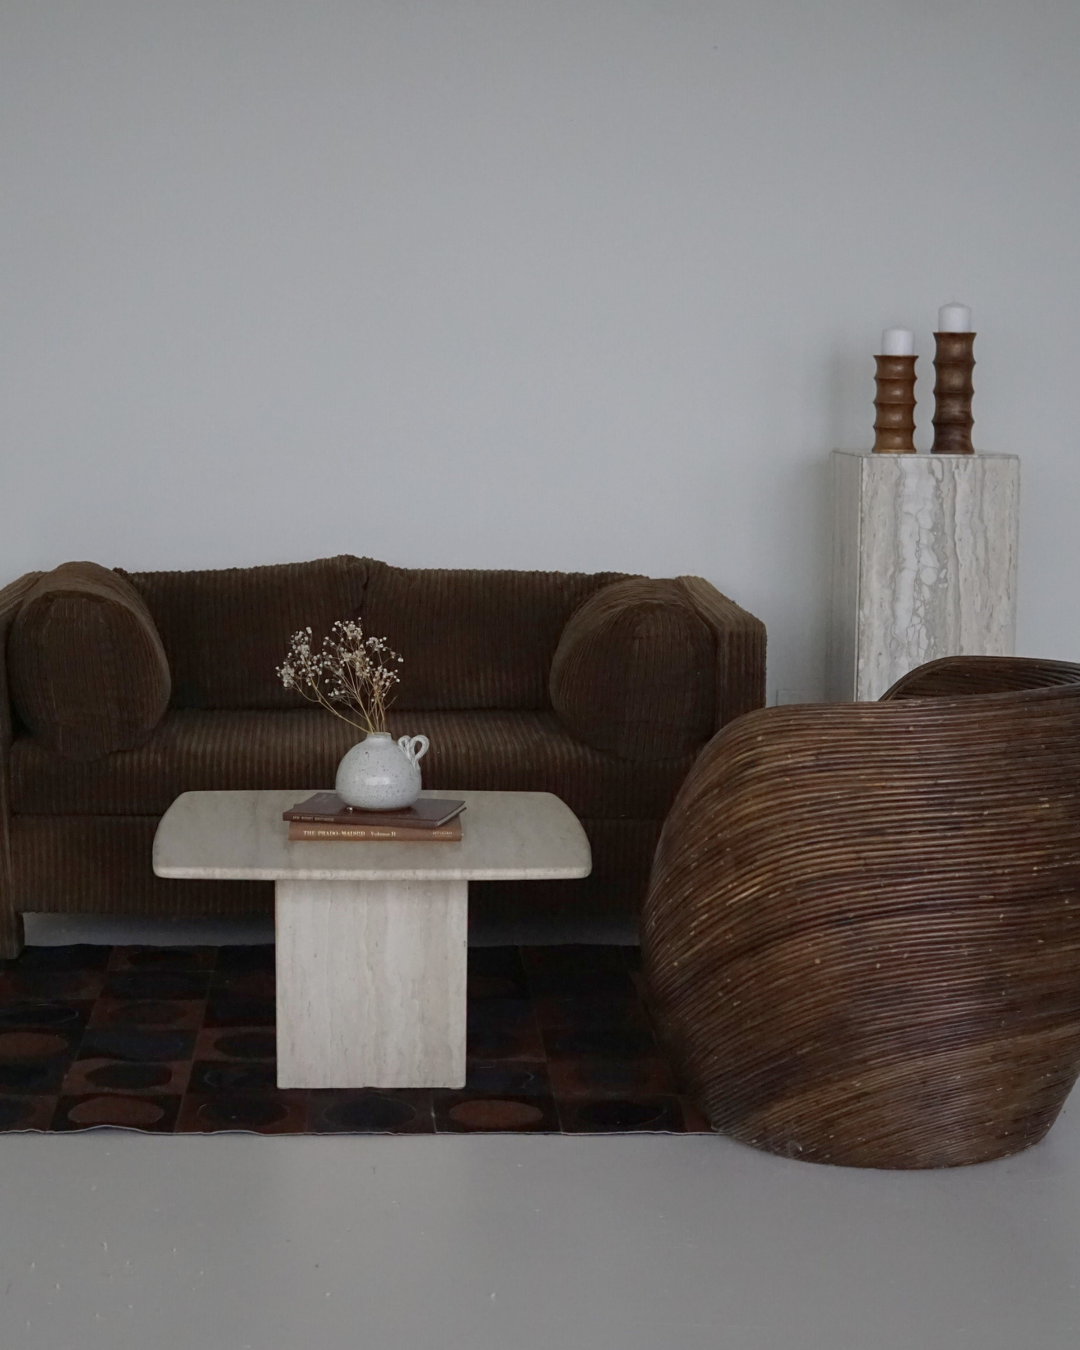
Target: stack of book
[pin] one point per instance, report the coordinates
(325, 816)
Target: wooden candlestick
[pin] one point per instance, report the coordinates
(953, 388)
(895, 403)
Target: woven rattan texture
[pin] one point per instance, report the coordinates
(862, 932)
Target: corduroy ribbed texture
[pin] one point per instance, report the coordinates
(480, 644)
(532, 752)
(87, 669)
(101, 865)
(473, 639)
(739, 662)
(226, 631)
(11, 923)
(206, 751)
(862, 931)
(634, 672)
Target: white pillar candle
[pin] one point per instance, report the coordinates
(954, 318)
(898, 342)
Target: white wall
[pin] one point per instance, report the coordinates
(554, 283)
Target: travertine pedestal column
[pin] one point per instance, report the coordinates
(924, 564)
(371, 983)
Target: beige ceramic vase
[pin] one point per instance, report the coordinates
(381, 774)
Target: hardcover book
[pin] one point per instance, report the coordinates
(312, 830)
(326, 808)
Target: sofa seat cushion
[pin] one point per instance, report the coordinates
(226, 631)
(88, 672)
(194, 749)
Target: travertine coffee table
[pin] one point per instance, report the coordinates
(371, 937)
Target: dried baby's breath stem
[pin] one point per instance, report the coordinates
(350, 671)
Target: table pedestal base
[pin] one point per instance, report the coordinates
(371, 983)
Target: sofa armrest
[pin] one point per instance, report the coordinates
(643, 668)
(740, 650)
(11, 936)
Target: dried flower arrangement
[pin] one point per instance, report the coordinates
(351, 671)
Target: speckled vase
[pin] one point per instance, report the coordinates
(381, 774)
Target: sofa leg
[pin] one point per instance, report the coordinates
(12, 935)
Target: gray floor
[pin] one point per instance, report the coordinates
(111, 1240)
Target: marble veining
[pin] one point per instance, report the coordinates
(240, 835)
(924, 564)
(371, 938)
(371, 979)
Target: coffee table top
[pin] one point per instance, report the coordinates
(240, 836)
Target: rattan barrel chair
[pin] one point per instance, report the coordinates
(861, 939)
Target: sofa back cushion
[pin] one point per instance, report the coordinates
(473, 639)
(634, 673)
(227, 631)
(87, 669)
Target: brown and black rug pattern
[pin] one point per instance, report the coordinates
(182, 1041)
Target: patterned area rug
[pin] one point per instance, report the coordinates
(181, 1040)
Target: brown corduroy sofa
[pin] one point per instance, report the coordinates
(120, 691)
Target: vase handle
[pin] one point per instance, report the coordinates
(410, 743)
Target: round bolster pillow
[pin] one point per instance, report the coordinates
(87, 670)
(634, 673)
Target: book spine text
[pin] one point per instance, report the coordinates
(300, 830)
